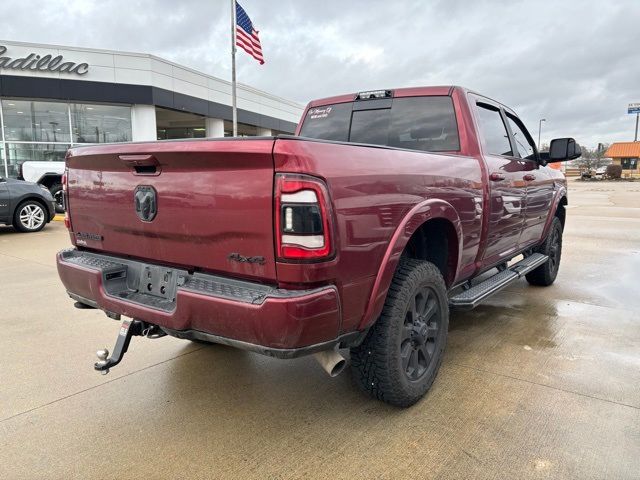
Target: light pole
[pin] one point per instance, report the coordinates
(540, 130)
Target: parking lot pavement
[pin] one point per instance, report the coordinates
(536, 383)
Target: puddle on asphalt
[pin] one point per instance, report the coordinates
(510, 318)
(621, 289)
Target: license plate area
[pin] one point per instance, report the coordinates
(158, 281)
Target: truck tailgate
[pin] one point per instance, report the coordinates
(213, 202)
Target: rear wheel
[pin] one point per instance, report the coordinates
(56, 192)
(546, 273)
(400, 357)
(30, 216)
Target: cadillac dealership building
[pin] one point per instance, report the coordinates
(52, 97)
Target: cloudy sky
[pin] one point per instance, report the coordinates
(574, 62)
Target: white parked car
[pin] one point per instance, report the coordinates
(47, 174)
(601, 171)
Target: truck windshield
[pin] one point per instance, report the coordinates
(416, 123)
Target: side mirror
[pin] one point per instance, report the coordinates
(563, 149)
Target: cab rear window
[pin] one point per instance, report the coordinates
(415, 123)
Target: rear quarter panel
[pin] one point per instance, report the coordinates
(377, 195)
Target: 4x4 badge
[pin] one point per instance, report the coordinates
(146, 202)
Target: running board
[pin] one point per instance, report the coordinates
(471, 297)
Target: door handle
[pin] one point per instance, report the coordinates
(141, 164)
(529, 177)
(496, 176)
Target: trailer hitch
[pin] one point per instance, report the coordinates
(128, 329)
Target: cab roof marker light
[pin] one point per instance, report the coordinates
(373, 94)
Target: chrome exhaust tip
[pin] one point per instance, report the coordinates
(331, 361)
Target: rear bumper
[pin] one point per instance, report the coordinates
(272, 321)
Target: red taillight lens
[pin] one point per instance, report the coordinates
(302, 218)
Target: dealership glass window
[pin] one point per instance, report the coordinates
(181, 132)
(629, 163)
(100, 123)
(3, 168)
(18, 153)
(244, 130)
(31, 121)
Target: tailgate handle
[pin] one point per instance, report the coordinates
(142, 164)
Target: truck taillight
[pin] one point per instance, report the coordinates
(302, 218)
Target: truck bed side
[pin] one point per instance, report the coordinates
(373, 189)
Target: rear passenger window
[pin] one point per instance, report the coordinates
(424, 123)
(370, 126)
(329, 122)
(494, 133)
(414, 123)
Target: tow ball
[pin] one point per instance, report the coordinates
(128, 329)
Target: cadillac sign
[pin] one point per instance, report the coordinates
(41, 63)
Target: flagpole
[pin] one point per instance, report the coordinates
(233, 68)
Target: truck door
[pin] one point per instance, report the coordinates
(507, 189)
(539, 183)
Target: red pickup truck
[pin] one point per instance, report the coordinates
(386, 210)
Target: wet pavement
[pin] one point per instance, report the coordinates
(536, 382)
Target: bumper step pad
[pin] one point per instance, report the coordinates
(126, 279)
(470, 298)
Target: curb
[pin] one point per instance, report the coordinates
(58, 218)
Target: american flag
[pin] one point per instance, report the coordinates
(246, 35)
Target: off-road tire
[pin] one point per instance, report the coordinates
(546, 273)
(377, 364)
(56, 189)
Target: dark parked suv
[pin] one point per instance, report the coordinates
(25, 205)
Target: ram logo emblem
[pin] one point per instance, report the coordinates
(146, 203)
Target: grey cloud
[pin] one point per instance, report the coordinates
(576, 63)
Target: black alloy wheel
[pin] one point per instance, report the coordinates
(420, 332)
(554, 249)
(546, 273)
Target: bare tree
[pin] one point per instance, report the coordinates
(592, 158)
